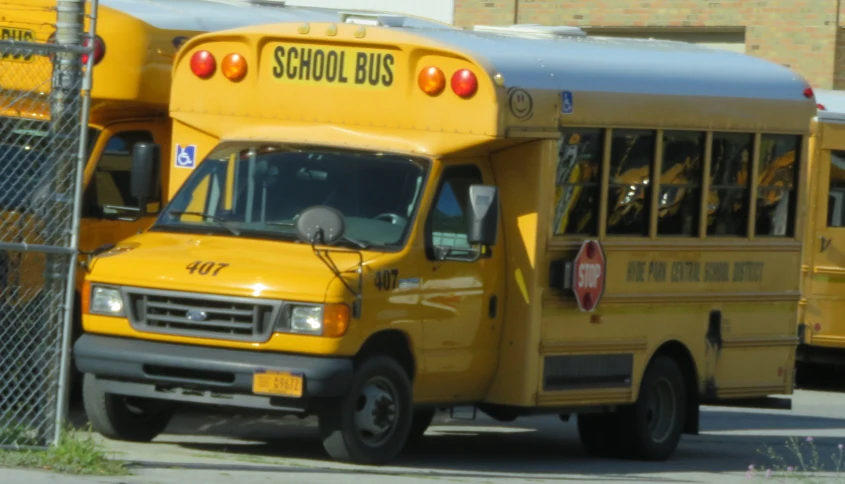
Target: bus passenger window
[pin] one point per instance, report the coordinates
(577, 182)
(777, 177)
(447, 221)
(631, 155)
(108, 193)
(836, 194)
(727, 202)
(680, 183)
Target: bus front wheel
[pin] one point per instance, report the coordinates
(370, 425)
(123, 418)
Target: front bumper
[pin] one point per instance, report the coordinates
(204, 375)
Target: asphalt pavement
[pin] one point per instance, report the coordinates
(258, 449)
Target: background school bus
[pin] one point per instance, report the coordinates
(667, 168)
(135, 46)
(821, 352)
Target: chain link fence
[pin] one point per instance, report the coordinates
(43, 122)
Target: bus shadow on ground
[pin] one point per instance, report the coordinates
(539, 447)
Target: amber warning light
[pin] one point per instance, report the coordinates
(233, 67)
(432, 81)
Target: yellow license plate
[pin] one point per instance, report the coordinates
(20, 35)
(277, 383)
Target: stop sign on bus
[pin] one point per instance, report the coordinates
(588, 275)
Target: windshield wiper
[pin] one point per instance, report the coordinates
(220, 220)
(357, 243)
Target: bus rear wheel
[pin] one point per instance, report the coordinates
(652, 426)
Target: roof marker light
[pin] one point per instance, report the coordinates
(203, 64)
(464, 83)
(233, 67)
(432, 81)
(99, 49)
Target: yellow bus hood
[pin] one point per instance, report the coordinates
(227, 265)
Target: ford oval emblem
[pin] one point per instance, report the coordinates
(196, 315)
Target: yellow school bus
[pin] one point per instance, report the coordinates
(821, 351)
(134, 50)
(396, 219)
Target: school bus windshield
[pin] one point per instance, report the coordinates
(25, 152)
(259, 191)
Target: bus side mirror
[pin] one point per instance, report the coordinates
(483, 215)
(146, 158)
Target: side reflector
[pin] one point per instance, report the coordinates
(203, 64)
(464, 83)
(432, 81)
(233, 67)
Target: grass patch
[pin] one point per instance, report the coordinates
(803, 463)
(76, 453)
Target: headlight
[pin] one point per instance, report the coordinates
(106, 300)
(306, 320)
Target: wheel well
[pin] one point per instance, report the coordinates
(682, 356)
(393, 343)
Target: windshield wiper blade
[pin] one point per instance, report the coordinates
(220, 220)
(361, 245)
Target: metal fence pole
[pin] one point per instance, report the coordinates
(68, 319)
(64, 115)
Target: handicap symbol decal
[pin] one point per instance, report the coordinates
(186, 156)
(566, 105)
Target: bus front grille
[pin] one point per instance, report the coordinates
(204, 316)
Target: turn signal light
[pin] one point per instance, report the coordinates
(233, 67)
(432, 81)
(99, 49)
(464, 83)
(203, 64)
(821, 107)
(808, 93)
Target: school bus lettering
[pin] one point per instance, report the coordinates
(205, 268)
(713, 271)
(19, 35)
(387, 280)
(748, 271)
(334, 66)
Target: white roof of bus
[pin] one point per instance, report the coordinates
(214, 15)
(834, 103)
(623, 65)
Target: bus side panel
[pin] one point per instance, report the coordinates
(188, 147)
(522, 173)
(824, 249)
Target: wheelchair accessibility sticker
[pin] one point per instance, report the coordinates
(567, 102)
(186, 156)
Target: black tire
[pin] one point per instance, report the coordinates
(123, 418)
(599, 434)
(390, 395)
(652, 427)
(422, 421)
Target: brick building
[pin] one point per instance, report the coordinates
(806, 35)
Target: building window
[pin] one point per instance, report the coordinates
(631, 156)
(776, 182)
(577, 182)
(727, 202)
(680, 183)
